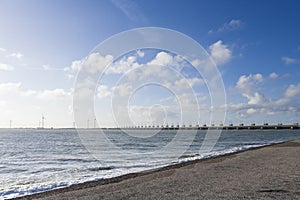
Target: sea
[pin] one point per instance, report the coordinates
(37, 160)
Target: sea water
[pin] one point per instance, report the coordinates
(36, 160)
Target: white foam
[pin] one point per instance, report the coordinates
(218, 153)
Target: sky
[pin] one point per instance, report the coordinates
(254, 44)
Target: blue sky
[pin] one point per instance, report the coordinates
(256, 45)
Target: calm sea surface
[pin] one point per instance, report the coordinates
(35, 160)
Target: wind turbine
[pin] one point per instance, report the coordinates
(43, 119)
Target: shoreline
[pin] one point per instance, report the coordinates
(102, 184)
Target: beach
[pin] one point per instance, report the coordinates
(271, 172)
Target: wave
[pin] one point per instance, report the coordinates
(100, 168)
(212, 154)
(73, 160)
(22, 192)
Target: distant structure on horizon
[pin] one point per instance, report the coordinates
(231, 126)
(42, 126)
(43, 121)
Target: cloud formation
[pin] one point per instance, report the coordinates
(288, 60)
(16, 55)
(103, 91)
(273, 75)
(246, 86)
(257, 103)
(16, 90)
(123, 65)
(233, 24)
(163, 72)
(292, 91)
(6, 67)
(220, 53)
(53, 94)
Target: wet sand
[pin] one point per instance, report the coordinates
(271, 172)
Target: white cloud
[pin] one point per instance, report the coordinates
(165, 59)
(163, 66)
(76, 65)
(246, 85)
(28, 93)
(140, 53)
(70, 76)
(233, 24)
(49, 68)
(46, 67)
(16, 90)
(2, 49)
(292, 91)
(257, 98)
(93, 63)
(6, 67)
(122, 89)
(184, 83)
(151, 115)
(162, 59)
(257, 102)
(220, 53)
(103, 91)
(6, 88)
(273, 75)
(53, 94)
(288, 60)
(123, 65)
(258, 77)
(96, 62)
(16, 55)
(88, 82)
(195, 81)
(197, 62)
(187, 100)
(251, 111)
(85, 88)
